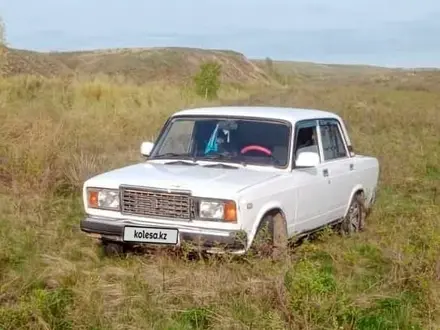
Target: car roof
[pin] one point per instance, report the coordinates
(284, 113)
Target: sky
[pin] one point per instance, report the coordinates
(404, 33)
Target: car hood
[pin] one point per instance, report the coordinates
(202, 181)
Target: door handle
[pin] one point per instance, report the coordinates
(325, 172)
(351, 167)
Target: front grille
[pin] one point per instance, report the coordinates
(156, 203)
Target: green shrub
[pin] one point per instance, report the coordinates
(207, 80)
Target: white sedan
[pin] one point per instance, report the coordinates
(216, 176)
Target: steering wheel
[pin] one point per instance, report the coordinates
(254, 147)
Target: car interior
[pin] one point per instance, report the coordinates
(273, 136)
(306, 141)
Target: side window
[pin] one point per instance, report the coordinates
(179, 137)
(332, 143)
(306, 138)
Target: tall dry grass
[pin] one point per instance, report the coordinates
(55, 134)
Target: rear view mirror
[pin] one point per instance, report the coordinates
(146, 148)
(307, 159)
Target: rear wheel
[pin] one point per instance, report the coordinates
(354, 221)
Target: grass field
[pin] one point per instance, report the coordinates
(55, 133)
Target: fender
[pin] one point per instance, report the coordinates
(263, 210)
(356, 188)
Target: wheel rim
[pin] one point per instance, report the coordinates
(354, 218)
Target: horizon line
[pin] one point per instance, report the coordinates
(255, 58)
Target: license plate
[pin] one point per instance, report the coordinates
(151, 235)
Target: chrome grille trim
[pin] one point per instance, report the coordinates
(157, 203)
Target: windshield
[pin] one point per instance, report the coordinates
(249, 141)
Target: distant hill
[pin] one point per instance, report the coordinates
(421, 79)
(16, 62)
(322, 70)
(138, 64)
(177, 64)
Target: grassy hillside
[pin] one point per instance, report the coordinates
(55, 133)
(142, 65)
(23, 62)
(326, 74)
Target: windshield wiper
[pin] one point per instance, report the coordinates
(222, 157)
(218, 156)
(221, 165)
(180, 162)
(172, 155)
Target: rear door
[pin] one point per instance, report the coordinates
(337, 165)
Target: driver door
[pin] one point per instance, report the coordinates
(313, 187)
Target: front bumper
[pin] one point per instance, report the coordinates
(206, 239)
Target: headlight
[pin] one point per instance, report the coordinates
(103, 198)
(217, 210)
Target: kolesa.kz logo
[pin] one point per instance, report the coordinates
(147, 235)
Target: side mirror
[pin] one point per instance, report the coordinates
(146, 148)
(307, 159)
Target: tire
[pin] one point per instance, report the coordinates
(369, 210)
(271, 239)
(354, 221)
(111, 249)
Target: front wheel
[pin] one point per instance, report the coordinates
(354, 221)
(271, 239)
(111, 249)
